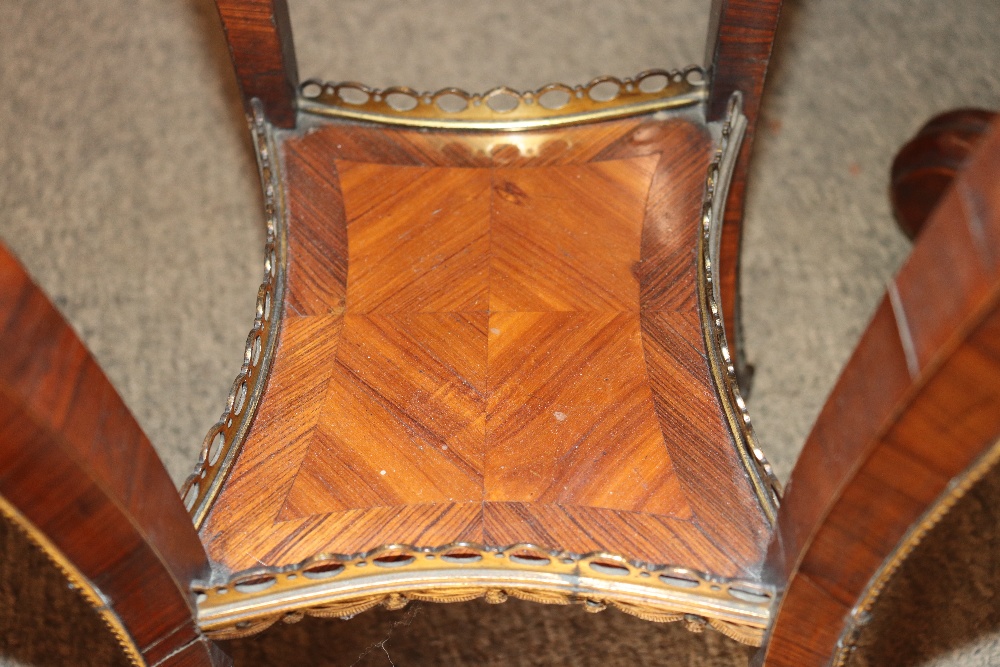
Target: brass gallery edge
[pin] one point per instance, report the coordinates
(224, 439)
(333, 585)
(503, 108)
(762, 477)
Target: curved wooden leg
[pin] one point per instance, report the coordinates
(259, 34)
(925, 167)
(913, 421)
(79, 477)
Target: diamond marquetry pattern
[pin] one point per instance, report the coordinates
(494, 346)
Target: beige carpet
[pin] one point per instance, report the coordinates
(129, 191)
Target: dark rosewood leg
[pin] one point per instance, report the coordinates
(259, 33)
(79, 477)
(924, 168)
(913, 421)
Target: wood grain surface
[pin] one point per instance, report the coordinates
(915, 407)
(79, 470)
(927, 164)
(493, 339)
(259, 34)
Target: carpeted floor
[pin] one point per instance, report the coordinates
(129, 191)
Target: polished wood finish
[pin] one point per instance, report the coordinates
(915, 407)
(76, 465)
(493, 339)
(925, 167)
(496, 338)
(740, 38)
(259, 33)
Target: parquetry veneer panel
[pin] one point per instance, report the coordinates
(493, 339)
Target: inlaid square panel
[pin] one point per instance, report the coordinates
(511, 351)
